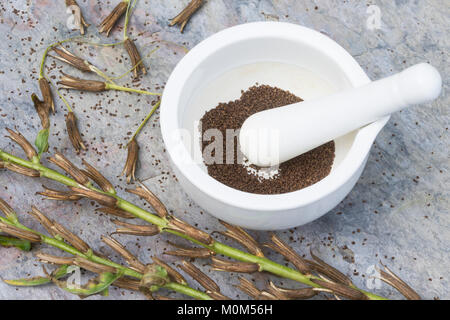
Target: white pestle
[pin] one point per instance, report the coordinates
(271, 137)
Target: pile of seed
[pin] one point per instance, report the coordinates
(292, 175)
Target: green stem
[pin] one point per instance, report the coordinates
(145, 120)
(21, 244)
(111, 86)
(127, 18)
(217, 247)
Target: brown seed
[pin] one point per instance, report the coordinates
(98, 178)
(187, 229)
(81, 23)
(58, 195)
(116, 212)
(101, 198)
(42, 111)
(47, 94)
(239, 234)
(21, 170)
(69, 82)
(205, 281)
(303, 293)
(189, 252)
(339, 289)
(137, 230)
(48, 258)
(73, 132)
(68, 57)
(234, 266)
(328, 271)
(132, 158)
(93, 266)
(120, 249)
(148, 196)
(173, 274)
(19, 233)
(69, 167)
(393, 280)
(183, 17)
(135, 57)
(108, 23)
(18, 138)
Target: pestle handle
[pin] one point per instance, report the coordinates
(273, 136)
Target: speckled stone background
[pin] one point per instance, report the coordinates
(397, 213)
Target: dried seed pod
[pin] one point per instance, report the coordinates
(163, 298)
(135, 57)
(58, 195)
(173, 274)
(267, 296)
(68, 57)
(81, 23)
(239, 234)
(47, 94)
(303, 293)
(217, 296)
(73, 132)
(69, 82)
(43, 220)
(248, 288)
(185, 228)
(21, 170)
(183, 17)
(339, 289)
(189, 252)
(48, 258)
(69, 167)
(93, 266)
(127, 283)
(108, 23)
(328, 271)
(116, 212)
(98, 178)
(393, 280)
(42, 111)
(233, 266)
(148, 196)
(154, 275)
(286, 251)
(18, 138)
(7, 210)
(137, 230)
(195, 273)
(70, 237)
(132, 158)
(120, 249)
(101, 198)
(19, 233)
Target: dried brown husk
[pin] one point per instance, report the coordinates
(217, 296)
(83, 24)
(183, 17)
(42, 111)
(189, 252)
(93, 266)
(173, 274)
(7, 210)
(328, 271)
(152, 278)
(43, 220)
(195, 273)
(73, 132)
(18, 138)
(101, 198)
(286, 251)
(339, 289)
(127, 255)
(68, 57)
(136, 61)
(49, 258)
(303, 293)
(70, 237)
(46, 92)
(233, 266)
(108, 23)
(2, 165)
(148, 196)
(185, 228)
(135, 229)
(241, 236)
(117, 212)
(249, 288)
(70, 82)
(127, 283)
(19, 233)
(64, 163)
(132, 158)
(98, 178)
(22, 170)
(393, 280)
(58, 195)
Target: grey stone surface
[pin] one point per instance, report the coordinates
(397, 213)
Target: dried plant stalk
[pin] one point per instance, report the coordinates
(393, 280)
(189, 252)
(137, 230)
(62, 162)
(205, 281)
(148, 196)
(21, 170)
(101, 198)
(73, 132)
(109, 22)
(98, 178)
(18, 138)
(183, 17)
(58, 195)
(47, 94)
(328, 271)
(238, 234)
(130, 164)
(187, 229)
(78, 15)
(173, 274)
(120, 249)
(49, 258)
(116, 212)
(233, 266)
(138, 65)
(70, 82)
